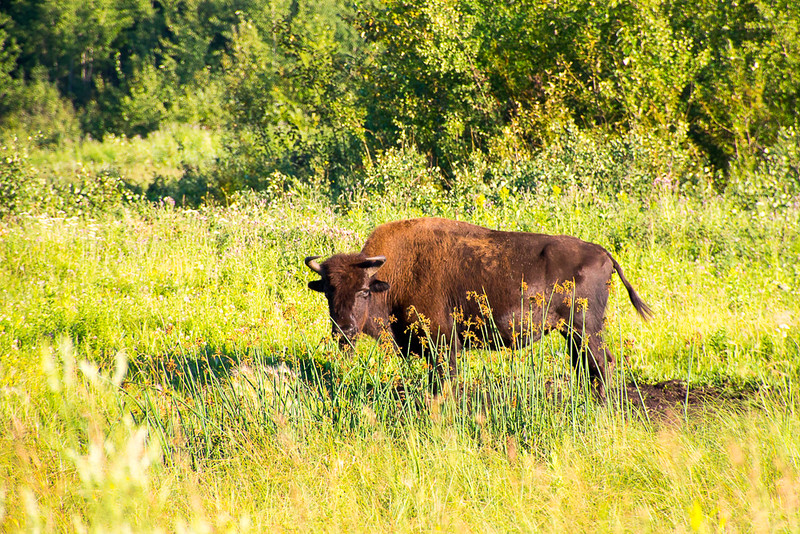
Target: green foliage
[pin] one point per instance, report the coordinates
(23, 189)
(77, 42)
(314, 92)
(14, 176)
(681, 69)
(746, 88)
(36, 110)
(402, 177)
(426, 84)
(91, 193)
(291, 96)
(191, 189)
(619, 66)
(773, 178)
(9, 51)
(143, 110)
(640, 164)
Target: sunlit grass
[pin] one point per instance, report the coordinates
(168, 369)
(236, 453)
(164, 152)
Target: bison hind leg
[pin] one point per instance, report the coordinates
(589, 354)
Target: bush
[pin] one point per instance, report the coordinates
(772, 177)
(638, 164)
(402, 177)
(142, 110)
(291, 98)
(14, 175)
(192, 188)
(93, 192)
(87, 192)
(38, 110)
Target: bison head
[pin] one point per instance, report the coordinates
(348, 282)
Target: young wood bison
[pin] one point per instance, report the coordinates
(434, 280)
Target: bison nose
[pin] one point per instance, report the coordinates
(350, 333)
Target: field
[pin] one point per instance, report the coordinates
(165, 368)
(165, 167)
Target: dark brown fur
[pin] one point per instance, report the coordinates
(433, 267)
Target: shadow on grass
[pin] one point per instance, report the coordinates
(184, 371)
(489, 394)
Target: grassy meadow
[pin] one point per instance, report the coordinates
(165, 368)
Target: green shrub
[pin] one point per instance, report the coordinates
(291, 103)
(190, 189)
(14, 177)
(402, 177)
(36, 109)
(772, 177)
(641, 164)
(86, 192)
(143, 109)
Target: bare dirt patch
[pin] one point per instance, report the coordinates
(668, 401)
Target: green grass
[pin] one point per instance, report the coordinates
(141, 381)
(74, 457)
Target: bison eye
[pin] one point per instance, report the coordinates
(364, 293)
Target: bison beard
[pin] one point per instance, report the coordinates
(436, 279)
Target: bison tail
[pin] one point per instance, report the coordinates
(641, 306)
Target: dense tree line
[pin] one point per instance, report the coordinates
(316, 89)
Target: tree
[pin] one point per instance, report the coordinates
(9, 52)
(292, 83)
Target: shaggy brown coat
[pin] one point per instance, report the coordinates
(436, 280)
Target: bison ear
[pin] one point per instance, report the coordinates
(378, 286)
(316, 285)
(372, 264)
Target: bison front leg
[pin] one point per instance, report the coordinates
(443, 363)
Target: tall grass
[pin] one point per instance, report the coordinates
(168, 369)
(260, 448)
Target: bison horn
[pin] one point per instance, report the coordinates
(313, 265)
(373, 264)
(377, 261)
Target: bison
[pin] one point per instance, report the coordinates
(433, 280)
